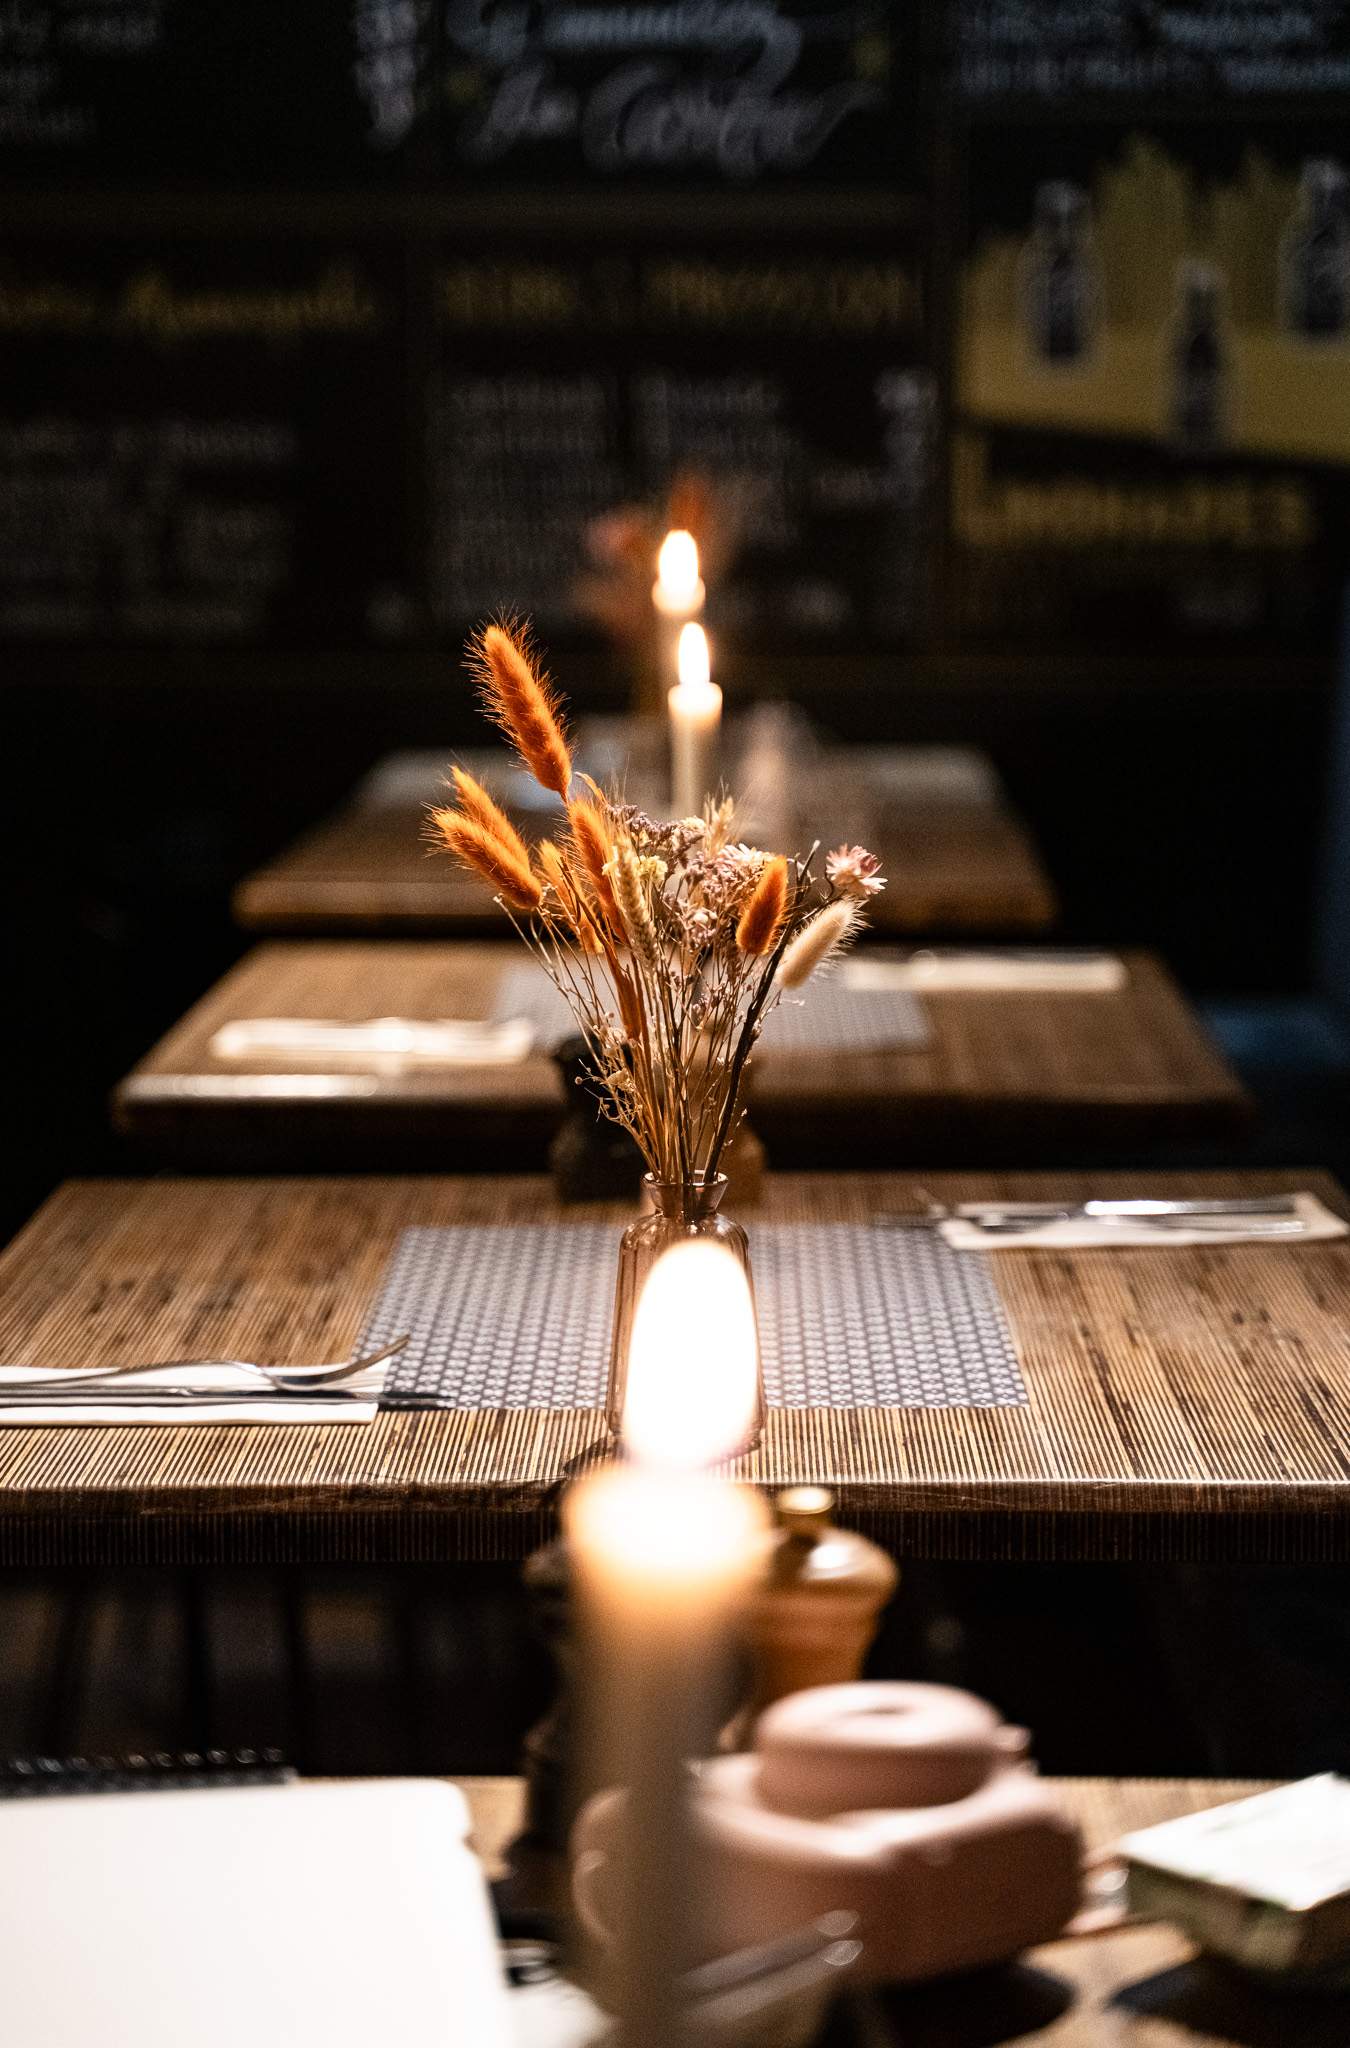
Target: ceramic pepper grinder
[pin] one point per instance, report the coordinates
(814, 1619)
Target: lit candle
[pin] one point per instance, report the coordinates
(677, 597)
(695, 726)
(665, 1558)
(678, 590)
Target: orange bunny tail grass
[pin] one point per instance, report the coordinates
(477, 806)
(490, 858)
(571, 903)
(594, 851)
(555, 874)
(519, 697)
(762, 918)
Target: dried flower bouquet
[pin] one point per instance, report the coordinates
(671, 943)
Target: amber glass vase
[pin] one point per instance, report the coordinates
(679, 1209)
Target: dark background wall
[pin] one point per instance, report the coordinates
(309, 357)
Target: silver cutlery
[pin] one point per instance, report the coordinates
(1266, 1215)
(169, 1397)
(302, 1379)
(1262, 1225)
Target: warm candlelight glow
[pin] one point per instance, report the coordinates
(692, 659)
(678, 589)
(666, 1541)
(665, 1557)
(693, 1361)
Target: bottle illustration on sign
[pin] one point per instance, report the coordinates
(657, 85)
(1198, 360)
(1315, 254)
(1059, 286)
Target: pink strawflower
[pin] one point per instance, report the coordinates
(854, 872)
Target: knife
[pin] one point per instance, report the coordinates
(1130, 1210)
(14, 1395)
(1134, 1209)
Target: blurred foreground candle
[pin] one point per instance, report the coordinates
(695, 726)
(666, 1558)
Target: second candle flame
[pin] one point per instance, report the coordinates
(692, 656)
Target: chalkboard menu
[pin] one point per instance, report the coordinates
(1151, 440)
(1188, 50)
(715, 89)
(200, 442)
(242, 90)
(667, 357)
(168, 91)
(995, 325)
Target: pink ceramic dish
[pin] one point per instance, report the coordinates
(911, 1806)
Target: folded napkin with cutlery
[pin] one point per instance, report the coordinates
(1010, 971)
(193, 1390)
(397, 1040)
(1250, 1219)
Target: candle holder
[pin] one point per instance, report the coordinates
(679, 1210)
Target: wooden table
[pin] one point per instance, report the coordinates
(957, 860)
(1144, 1987)
(1185, 1403)
(1132, 1066)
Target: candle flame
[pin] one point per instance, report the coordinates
(677, 571)
(693, 1360)
(693, 656)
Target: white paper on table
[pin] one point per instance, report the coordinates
(275, 1916)
(398, 1040)
(1094, 1232)
(1020, 972)
(269, 1407)
(1290, 1846)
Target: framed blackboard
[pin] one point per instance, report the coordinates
(1151, 421)
(1002, 325)
(201, 441)
(1061, 53)
(173, 92)
(573, 380)
(705, 91)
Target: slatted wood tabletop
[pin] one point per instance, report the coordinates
(1144, 1987)
(1185, 1402)
(950, 867)
(1128, 1065)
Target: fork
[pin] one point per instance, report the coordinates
(297, 1381)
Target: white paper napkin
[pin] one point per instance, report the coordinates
(1019, 972)
(397, 1040)
(1089, 1232)
(273, 1407)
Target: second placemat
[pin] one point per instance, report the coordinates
(827, 1016)
(849, 1317)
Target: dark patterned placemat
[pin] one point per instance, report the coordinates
(826, 1017)
(849, 1317)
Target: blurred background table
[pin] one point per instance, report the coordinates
(1144, 1987)
(1184, 1402)
(1131, 1065)
(956, 858)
